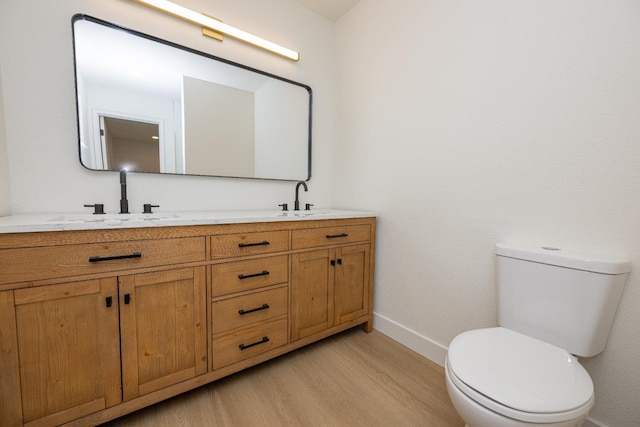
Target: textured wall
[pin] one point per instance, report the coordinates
(468, 123)
(39, 102)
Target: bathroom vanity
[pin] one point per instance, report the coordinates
(100, 317)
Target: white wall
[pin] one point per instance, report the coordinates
(5, 200)
(278, 126)
(466, 123)
(39, 102)
(224, 128)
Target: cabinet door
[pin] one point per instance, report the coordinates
(351, 283)
(67, 347)
(162, 322)
(311, 292)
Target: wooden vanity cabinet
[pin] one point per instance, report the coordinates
(95, 324)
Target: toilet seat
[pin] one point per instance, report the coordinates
(518, 376)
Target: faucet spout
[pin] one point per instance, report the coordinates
(296, 205)
(124, 203)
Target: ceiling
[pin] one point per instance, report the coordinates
(330, 9)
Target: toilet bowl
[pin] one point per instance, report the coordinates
(500, 378)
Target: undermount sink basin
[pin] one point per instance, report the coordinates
(304, 213)
(114, 217)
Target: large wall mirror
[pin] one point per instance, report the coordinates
(149, 105)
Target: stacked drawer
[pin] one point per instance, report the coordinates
(249, 306)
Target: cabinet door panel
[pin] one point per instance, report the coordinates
(163, 318)
(68, 350)
(311, 292)
(352, 282)
(10, 398)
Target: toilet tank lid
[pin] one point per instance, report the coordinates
(565, 258)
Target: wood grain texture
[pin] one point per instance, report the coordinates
(30, 264)
(10, 393)
(67, 344)
(163, 329)
(351, 379)
(253, 243)
(249, 308)
(257, 338)
(312, 292)
(351, 283)
(226, 278)
(330, 236)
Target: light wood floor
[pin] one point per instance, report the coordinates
(351, 379)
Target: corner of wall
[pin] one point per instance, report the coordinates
(420, 344)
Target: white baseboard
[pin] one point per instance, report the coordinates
(411, 339)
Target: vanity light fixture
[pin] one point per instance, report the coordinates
(210, 24)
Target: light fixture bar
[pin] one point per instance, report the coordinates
(220, 27)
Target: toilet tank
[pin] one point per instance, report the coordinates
(564, 298)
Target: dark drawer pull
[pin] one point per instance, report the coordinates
(247, 245)
(262, 307)
(248, 276)
(262, 341)
(333, 236)
(111, 258)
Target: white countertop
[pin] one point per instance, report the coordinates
(27, 223)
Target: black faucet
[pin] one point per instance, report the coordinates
(124, 203)
(296, 205)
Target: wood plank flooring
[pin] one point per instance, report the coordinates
(351, 379)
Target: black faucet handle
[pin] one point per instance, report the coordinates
(285, 207)
(98, 208)
(307, 206)
(147, 208)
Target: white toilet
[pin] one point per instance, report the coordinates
(552, 307)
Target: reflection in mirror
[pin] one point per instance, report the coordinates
(129, 144)
(149, 105)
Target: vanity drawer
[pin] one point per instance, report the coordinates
(232, 245)
(329, 236)
(247, 342)
(245, 275)
(30, 264)
(231, 313)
